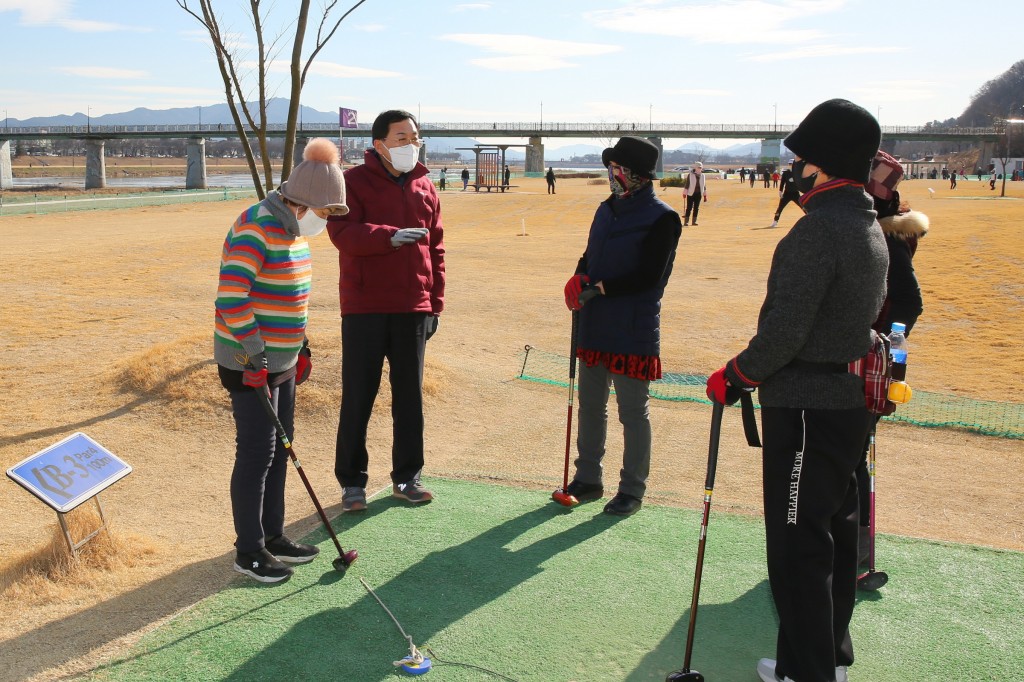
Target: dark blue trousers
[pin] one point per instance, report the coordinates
(261, 465)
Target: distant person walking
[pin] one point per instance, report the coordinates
(465, 179)
(992, 180)
(695, 191)
(766, 177)
(443, 178)
(505, 178)
(550, 177)
(751, 176)
(788, 193)
(952, 180)
(743, 175)
(775, 179)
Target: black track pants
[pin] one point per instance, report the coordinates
(811, 515)
(366, 340)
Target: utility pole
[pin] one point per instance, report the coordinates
(88, 119)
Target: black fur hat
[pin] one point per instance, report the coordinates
(635, 153)
(839, 137)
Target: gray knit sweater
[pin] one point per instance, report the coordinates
(825, 288)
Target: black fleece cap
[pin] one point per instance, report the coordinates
(635, 153)
(838, 136)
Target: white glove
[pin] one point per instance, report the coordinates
(780, 193)
(408, 235)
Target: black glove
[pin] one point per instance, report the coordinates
(432, 323)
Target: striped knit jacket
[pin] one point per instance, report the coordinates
(263, 292)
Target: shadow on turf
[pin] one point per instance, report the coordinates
(730, 639)
(427, 597)
(76, 635)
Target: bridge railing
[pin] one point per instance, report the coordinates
(508, 126)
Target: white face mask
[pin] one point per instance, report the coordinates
(404, 158)
(310, 224)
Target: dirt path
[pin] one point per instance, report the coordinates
(108, 331)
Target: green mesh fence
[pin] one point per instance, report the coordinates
(45, 204)
(936, 410)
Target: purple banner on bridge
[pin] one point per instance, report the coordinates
(348, 118)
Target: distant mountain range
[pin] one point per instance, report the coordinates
(277, 112)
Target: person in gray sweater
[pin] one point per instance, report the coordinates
(825, 288)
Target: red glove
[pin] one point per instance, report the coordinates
(573, 288)
(304, 365)
(255, 374)
(720, 390)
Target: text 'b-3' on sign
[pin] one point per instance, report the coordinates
(67, 474)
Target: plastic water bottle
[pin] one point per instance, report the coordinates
(898, 351)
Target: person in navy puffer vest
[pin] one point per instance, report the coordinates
(627, 264)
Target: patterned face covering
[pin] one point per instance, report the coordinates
(623, 181)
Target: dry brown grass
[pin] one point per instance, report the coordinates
(114, 315)
(46, 574)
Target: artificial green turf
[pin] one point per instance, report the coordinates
(504, 579)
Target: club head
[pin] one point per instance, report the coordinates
(684, 676)
(342, 563)
(563, 498)
(872, 580)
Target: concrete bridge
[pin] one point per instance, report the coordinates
(770, 134)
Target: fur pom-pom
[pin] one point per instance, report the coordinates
(321, 150)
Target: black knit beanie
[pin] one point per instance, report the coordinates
(839, 137)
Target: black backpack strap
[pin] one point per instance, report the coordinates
(749, 420)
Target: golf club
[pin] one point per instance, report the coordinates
(561, 495)
(872, 580)
(686, 674)
(345, 559)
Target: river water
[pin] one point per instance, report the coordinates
(231, 181)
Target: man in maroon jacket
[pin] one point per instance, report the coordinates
(391, 253)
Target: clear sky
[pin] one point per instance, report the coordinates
(669, 61)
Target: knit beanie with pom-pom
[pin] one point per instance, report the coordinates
(317, 182)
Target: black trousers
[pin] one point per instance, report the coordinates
(261, 465)
(692, 204)
(366, 340)
(784, 201)
(811, 517)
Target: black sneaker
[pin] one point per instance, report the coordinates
(291, 552)
(353, 499)
(413, 491)
(623, 505)
(585, 491)
(262, 566)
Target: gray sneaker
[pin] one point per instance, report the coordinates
(353, 499)
(413, 491)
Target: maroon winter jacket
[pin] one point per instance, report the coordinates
(375, 276)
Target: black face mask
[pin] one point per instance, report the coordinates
(803, 185)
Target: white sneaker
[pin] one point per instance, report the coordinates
(775, 223)
(766, 671)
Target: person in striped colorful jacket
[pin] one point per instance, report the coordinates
(260, 345)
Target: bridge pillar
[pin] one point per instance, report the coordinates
(300, 149)
(535, 155)
(95, 166)
(423, 154)
(659, 143)
(888, 146)
(771, 151)
(195, 163)
(987, 153)
(6, 176)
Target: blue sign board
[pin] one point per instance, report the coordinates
(67, 474)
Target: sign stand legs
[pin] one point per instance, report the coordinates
(72, 545)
